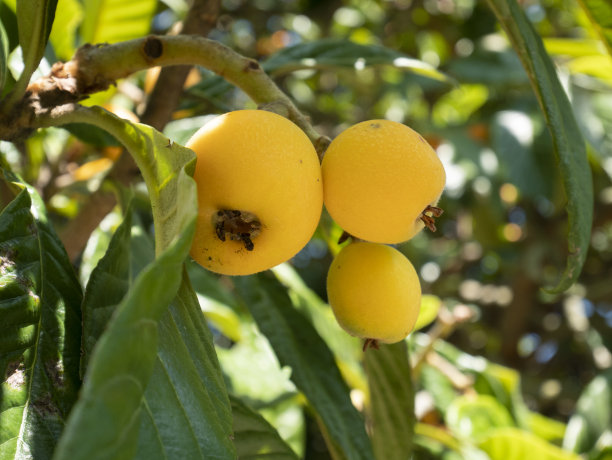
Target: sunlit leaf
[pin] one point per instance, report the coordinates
(68, 16)
(600, 14)
(544, 427)
(599, 66)
(4, 52)
(162, 163)
(593, 415)
(314, 371)
(41, 327)
(34, 20)
(112, 21)
(569, 145)
(575, 47)
(471, 417)
(430, 305)
(391, 400)
(456, 106)
(516, 444)
(252, 371)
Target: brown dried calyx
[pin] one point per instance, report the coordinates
(370, 343)
(237, 226)
(429, 215)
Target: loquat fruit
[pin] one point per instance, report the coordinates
(260, 192)
(374, 292)
(382, 181)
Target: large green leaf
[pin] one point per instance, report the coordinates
(146, 344)
(593, 415)
(186, 383)
(347, 349)
(392, 401)
(108, 284)
(105, 421)
(34, 20)
(112, 21)
(331, 53)
(600, 14)
(255, 438)
(161, 163)
(186, 411)
(328, 53)
(314, 372)
(68, 16)
(40, 320)
(568, 142)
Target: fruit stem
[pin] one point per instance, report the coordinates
(428, 216)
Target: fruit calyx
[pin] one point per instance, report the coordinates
(429, 215)
(237, 226)
(370, 343)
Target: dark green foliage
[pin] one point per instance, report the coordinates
(314, 372)
(41, 320)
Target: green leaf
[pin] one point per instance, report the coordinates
(255, 438)
(107, 286)
(186, 412)
(186, 382)
(494, 69)
(516, 444)
(34, 20)
(599, 66)
(332, 53)
(599, 13)
(168, 351)
(41, 327)
(568, 142)
(574, 47)
(392, 401)
(593, 415)
(105, 420)
(471, 417)
(314, 371)
(162, 163)
(545, 427)
(347, 349)
(68, 16)
(430, 305)
(4, 52)
(112, 21)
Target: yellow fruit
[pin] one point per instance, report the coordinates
(382, 181)
(260, 192)
(374, 292)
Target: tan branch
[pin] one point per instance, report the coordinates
(96, 67)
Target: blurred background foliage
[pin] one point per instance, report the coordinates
(502, 354)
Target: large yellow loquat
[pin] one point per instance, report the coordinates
(374, 292)
(260, 192)
(382, 181)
